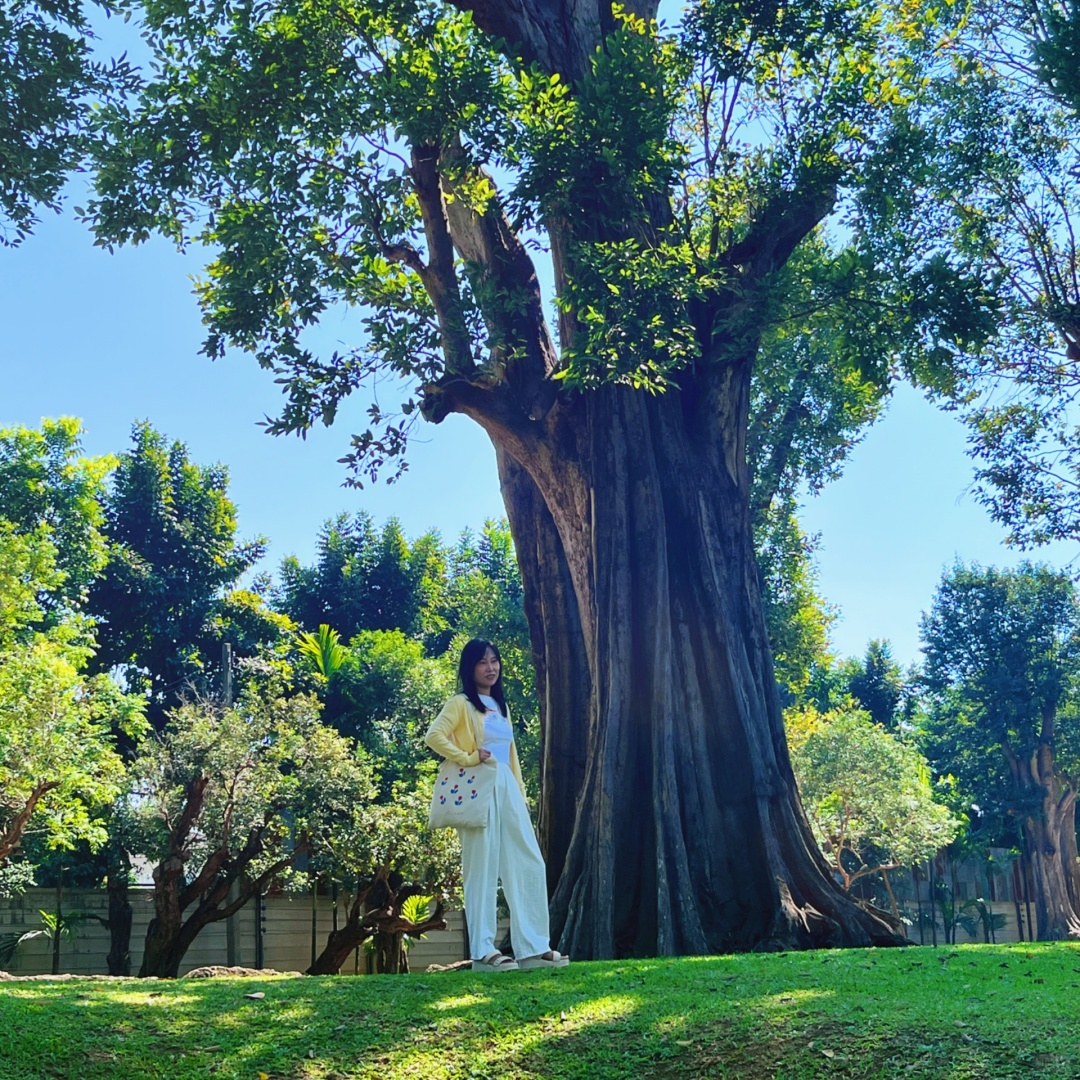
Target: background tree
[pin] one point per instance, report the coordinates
(384, 694)
(168, 588)
(1001, 668)
(351, 156)
(224, 801)
(868, 795)
(878, 685)
(989, 183)
(1055, 40)
(400, 664)
(796, 616)
(362, 578)
(57, 759)
(47, 485)
(383, 854)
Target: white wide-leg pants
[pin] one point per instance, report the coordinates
(505, 851)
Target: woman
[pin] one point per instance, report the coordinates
(472, 729)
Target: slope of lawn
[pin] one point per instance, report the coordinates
(988, 1011)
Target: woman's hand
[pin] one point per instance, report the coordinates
(484, 755)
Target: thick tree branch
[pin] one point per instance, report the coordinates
(787, 220)
(193, 803)
(558, 35)
(14, 834)
(506, 285)
(729, 329)
(440, 277)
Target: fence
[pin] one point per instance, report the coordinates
(287, 925)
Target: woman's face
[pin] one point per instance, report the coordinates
(486, 672)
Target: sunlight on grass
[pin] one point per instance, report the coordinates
(462, 1001)
(785, 999)
(149, 995)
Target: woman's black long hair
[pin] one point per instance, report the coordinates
(471, 655)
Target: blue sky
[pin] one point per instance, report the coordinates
(114, 338)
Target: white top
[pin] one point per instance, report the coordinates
(498, 735)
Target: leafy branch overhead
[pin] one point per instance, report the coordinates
(400, 159)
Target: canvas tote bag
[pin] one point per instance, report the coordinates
(462, 795)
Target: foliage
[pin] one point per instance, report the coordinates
(301, 157)
(57, 760)
(797, 618)
(163, 596)
(1000, 674)
(48, 489)
(52, 926)
(390, 837)
(878, 685)
(265, 769)
(56, 756)
(50, 81)
(868, 795)
(388, 862)
(385, 694)
(417, 909)
(408, 608)
(981, 1008)
(363, 579)
(1056, 44)
(324, 650)
(988, 187)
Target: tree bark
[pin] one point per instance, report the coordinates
(120, 913)
(1055, 916)
(1046, 804)
(686, 835)
(1070, 855)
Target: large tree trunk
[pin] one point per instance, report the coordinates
(1055, 914)
(563, 680)
(1055, 917)
(670, 815)
(669, 812)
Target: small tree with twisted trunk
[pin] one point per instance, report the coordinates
(225, 801)
(384, 854)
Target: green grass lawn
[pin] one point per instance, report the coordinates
(993, 1012)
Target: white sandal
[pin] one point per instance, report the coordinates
(495, 961)
(557, 961)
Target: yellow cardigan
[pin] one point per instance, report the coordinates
(458, 733)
